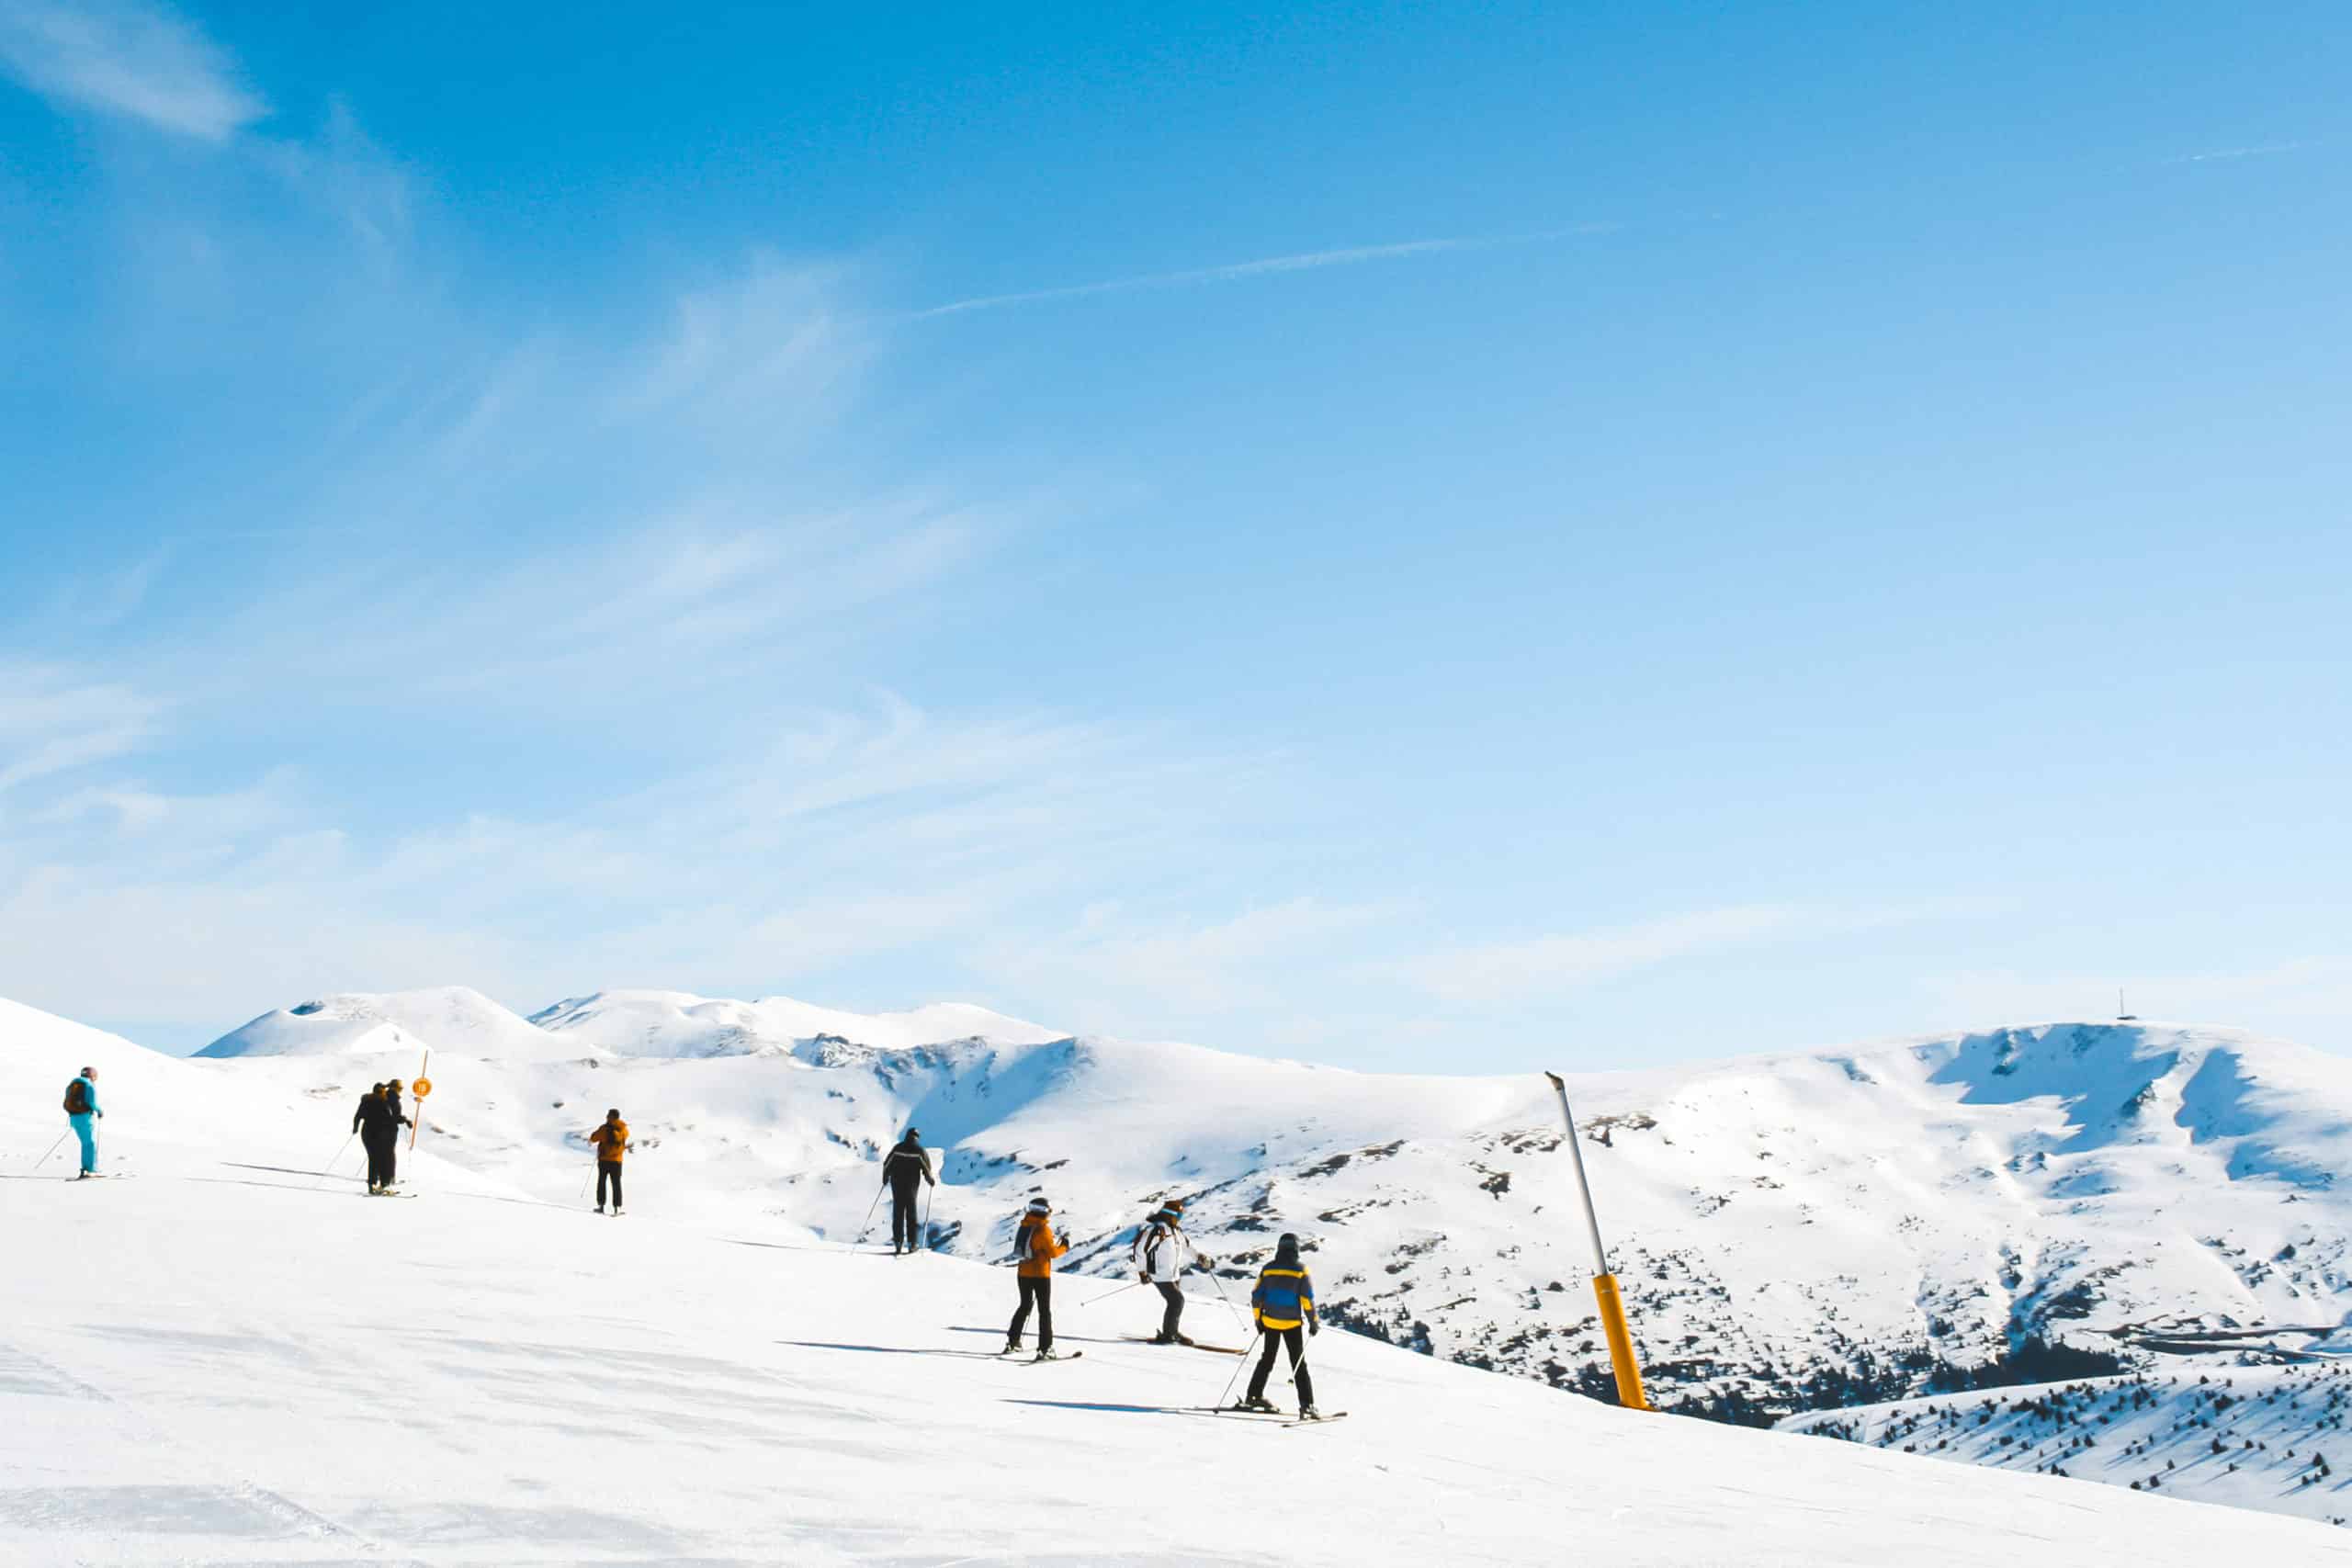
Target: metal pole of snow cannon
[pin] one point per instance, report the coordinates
(420, 1088)
(1604, 1283)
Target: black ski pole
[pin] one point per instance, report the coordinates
(52, 1149)
(1229, 1301)
(867, 1229)
(928, 1193)
(1106, 1295)
(1240, 1361)
(331, 1164)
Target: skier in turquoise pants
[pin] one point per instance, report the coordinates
(82, 1110)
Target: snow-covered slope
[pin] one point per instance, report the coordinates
(228, 1360)
(2270, 1437)
(1794, 1231)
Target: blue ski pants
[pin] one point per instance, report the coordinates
(85, 1129)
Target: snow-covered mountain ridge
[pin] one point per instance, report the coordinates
(1794, 1230)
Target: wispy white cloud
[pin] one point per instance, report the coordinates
(2230, 154)
(1263, 266)
(1121, 971)
(847, 835)
(1565, 963)
(1559, 965)
(53, 721)
(345, 171)
(129, 57)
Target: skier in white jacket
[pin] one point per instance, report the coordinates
(1162, 1253)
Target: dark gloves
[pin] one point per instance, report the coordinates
(1314, 1328)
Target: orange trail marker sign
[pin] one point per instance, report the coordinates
(420, 1088)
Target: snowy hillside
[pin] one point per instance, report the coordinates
(406, 1021)
(1816, 1229)
(230, 1360)
(2266, 1438)
(1794, 1233)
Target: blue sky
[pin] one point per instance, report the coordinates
(1566, 535)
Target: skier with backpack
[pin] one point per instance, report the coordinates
(1162, 1252)
(377, 1122)
(612, 1143)
(1036, 1246)
(82, 1110)
(904, 1171)
(1284, 1306)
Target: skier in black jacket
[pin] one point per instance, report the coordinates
(906, 1169)
(359, 1116)
(378, 1122)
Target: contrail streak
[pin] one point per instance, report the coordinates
(1305, 261)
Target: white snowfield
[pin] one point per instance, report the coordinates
(1811, 1229)
(228, 1360)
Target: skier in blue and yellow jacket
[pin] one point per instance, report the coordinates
(1285, 1301)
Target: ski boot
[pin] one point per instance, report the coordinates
(1258, 1404)
(1308, 1413)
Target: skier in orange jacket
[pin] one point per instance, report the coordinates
(1036, 1246)
(612, 1143)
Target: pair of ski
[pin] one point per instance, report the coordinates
(1042, 1359)
(1188, 1344)
(1270, 1417)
